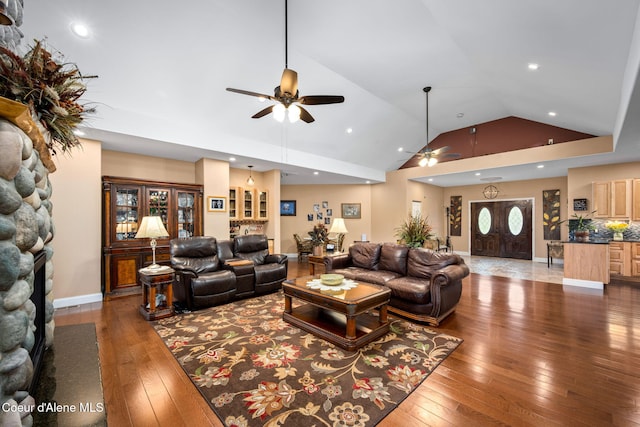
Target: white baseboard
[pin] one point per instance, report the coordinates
(589, 284)
(79, 300)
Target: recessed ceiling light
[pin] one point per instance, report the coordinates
(78, 132)
(430, 179)
(533, 66)
(400, 149)
(368, 182)
(349, 130)
(316, 173)
(80, 30)
(478, 174)
(540, 166)
(460, 115)
(232, 159)
(552, 113)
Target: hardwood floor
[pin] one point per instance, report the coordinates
(534, 353)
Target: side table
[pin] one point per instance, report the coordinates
(157, 292)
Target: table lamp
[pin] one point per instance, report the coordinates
(151, 228)
(339, 228)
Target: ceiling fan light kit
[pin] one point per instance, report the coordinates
(286, 95)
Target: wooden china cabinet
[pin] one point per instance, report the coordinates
(125, 202)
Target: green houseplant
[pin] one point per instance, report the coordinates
(581, 226)
(414, 231)
(318, 237)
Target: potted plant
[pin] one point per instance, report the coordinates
(318, 238)
(414, 231)
(581, 226)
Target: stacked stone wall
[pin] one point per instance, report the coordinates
(26, 228)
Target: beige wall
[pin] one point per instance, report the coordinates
(214, 177)
(308, 195)
(77, 197)
(151, 168)
(510, 190)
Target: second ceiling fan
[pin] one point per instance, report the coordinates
(286, 94)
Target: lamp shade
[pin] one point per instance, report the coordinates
(151, 227)
(338, 226)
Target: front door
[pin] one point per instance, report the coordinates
(502, 229)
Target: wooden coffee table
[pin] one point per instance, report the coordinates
(341, 318)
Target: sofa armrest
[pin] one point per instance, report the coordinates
(184, 271)
(451, 273)
(335, 262)
(446, 288)
(276, 258)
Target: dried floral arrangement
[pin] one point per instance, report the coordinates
(50, 89)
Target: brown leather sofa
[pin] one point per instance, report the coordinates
(425, 285)
(204, 279)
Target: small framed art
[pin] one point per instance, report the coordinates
(351, 210)
(287, 208)
(217, 204)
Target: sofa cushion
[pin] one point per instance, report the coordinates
(423, 263)
(379, 277)
(199, 253)
(394, 258)
(411, 289)
(365, 255)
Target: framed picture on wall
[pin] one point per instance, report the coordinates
(287, 208)
(351, 210)
(216, 204)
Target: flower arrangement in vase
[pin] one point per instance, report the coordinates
(617, 227)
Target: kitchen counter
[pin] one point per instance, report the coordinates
(586, 264)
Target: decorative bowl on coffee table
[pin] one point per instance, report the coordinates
(331, 279)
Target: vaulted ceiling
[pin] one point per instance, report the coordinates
(163, 68)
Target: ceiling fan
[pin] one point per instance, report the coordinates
(427, 156)
(287, 95)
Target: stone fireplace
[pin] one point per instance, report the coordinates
(26, 230)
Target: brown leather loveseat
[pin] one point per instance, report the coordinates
(425, 285)
(204, 277)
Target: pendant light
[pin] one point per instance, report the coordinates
(250, 180)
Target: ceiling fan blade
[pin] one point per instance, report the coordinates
(441, 150)
(305, 116)
(289, 83)
(247, 92)
(263, 112)
(450, 156)
(321, 99)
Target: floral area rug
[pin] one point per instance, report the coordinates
(255, 369)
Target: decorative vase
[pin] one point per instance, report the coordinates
(317, 251)
(618, 236)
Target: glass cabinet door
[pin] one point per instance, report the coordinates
(186, 217)
(233, 203)
(247, 200)
(158, 205)
(262, 209)
(126, 213)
